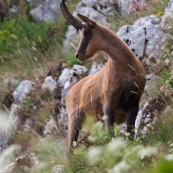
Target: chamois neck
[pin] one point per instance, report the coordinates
(116, 48)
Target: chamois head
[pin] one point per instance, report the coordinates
(88, 43)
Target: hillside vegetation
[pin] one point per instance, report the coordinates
(27, 51)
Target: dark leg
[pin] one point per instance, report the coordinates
(130, 118)
(74, 125)
(1, 17)
(110, 113)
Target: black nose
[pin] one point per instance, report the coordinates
(77, 55)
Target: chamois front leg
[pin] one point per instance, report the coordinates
(110, 108)
(109, 111)
(1, 17)
(74, 126)
(130, 118)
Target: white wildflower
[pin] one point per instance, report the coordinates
(104, 118)
(116, 145)
(169, 157)
(167, 61)
(74, 144)
(146, 152)
(8, 156)
(94, 154)
(171, 145)
(121, 167)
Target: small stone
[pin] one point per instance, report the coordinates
(64, 77)
(50, 126)
(58, 169)
(147, 120)
(149, 116)
(22, 91)
(49, 83)
(78, 70)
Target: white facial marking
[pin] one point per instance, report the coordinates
(80, 32)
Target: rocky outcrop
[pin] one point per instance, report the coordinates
(130, 6)
(166, 23)
(148, 114)
(14, 120)
(145, 38)
(46, 10)
(22, 90)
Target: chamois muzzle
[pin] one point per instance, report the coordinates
(80, 56)
(77, 55)
(81, 53)
(69, 17)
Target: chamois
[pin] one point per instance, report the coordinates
(115, 90)
(3, 10)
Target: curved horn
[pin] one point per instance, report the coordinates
(69, 17)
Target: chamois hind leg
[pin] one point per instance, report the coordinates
(74, 125)
(130, 118)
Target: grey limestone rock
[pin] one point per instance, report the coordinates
(166, 23)
(145, 37)
(64, 77)
(127, 5)
(148, 114)
(49, 83)
(46, 10)
(22, 90)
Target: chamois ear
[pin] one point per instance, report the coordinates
(88, 21)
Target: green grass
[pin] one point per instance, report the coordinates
(27, 45)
